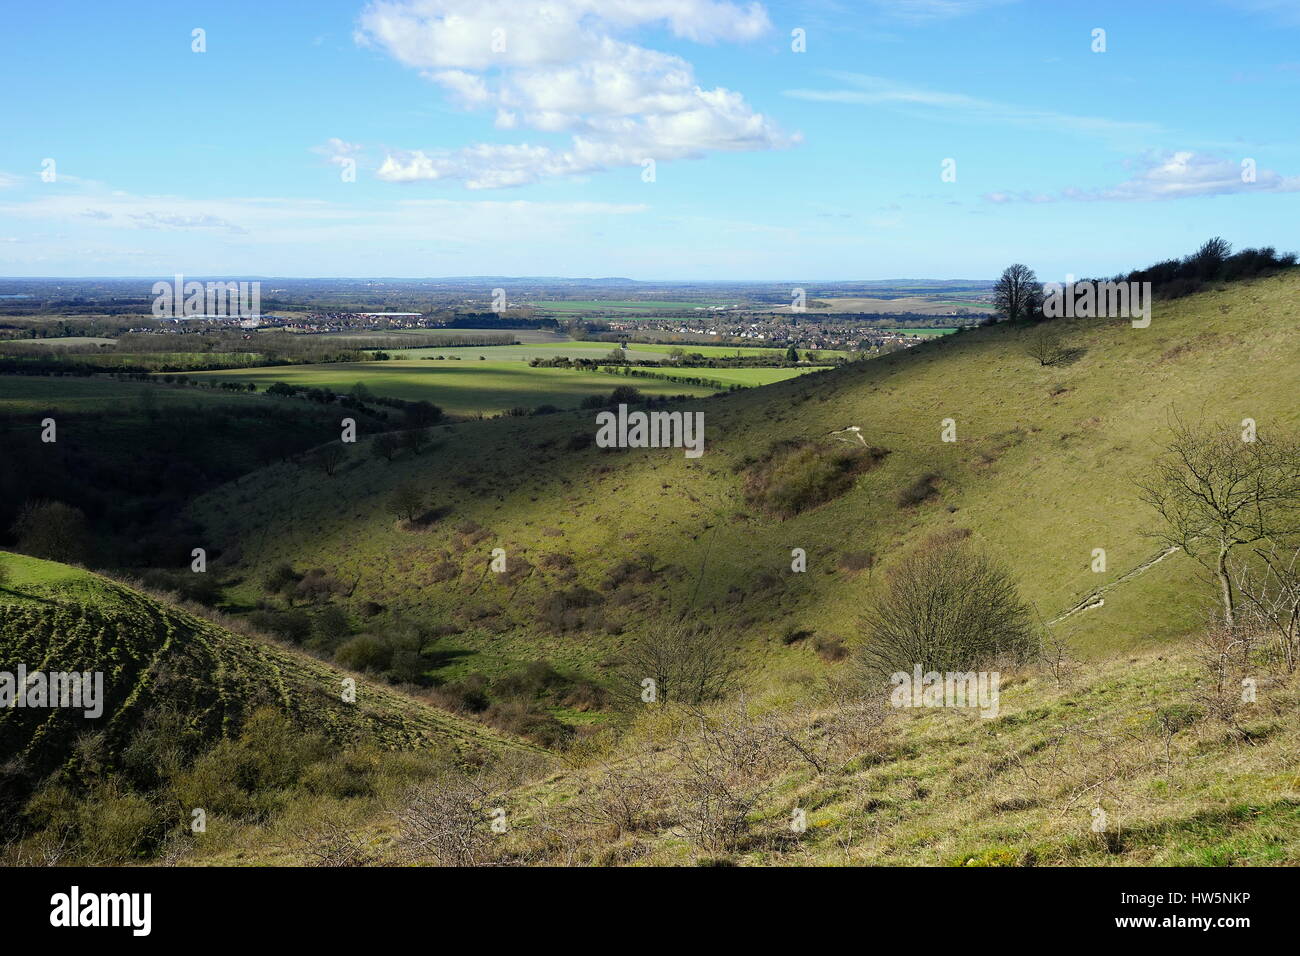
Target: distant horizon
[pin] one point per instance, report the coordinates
(253, 277)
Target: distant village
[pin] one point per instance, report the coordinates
(722, 325)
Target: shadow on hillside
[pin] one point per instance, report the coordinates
(437, 660)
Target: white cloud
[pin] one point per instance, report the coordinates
(561, 68)
(338, 151)
(151, 219)
(261, 220)
(1162, 176)
(864, 90)
(9, 179)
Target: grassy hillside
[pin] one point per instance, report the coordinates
(57, 618)
(1120, 763)
(1041, 473)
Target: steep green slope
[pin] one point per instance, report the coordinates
(57, 618)
(1138, 760)
(1041, 474)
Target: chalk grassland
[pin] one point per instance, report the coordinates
(57, 618)
(459, 388)
(1041, 474)
(933, 787)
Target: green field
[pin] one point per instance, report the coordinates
(921, 331)
(596, 350)
(65, 341)
(748, 377)
(730, 351)
(523, 352)
(459, 388)
(31, 394)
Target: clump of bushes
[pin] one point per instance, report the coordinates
(947, 606)
(572, 609)
(922, 489)
(397, 654)
(830, 648)
(1213, 262)
(857, 560)
(521, 702)
(795, 476)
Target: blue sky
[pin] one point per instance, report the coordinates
(523, 151)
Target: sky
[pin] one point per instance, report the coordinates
(649, 139)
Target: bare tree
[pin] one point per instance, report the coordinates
(1018, 294)
(1217, 492)
(947, 606)
(1044, 344)
(1268, 583)
(688, 663)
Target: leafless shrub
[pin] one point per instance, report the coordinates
(947, 606)
(331, 841)
(446, 822)
(626, 797)
(1057, 660)
(1043, 344)
(1269, 589)
(1225, 655)
(689, 664)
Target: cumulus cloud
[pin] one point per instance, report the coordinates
(1179, 175)
(563, 68)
